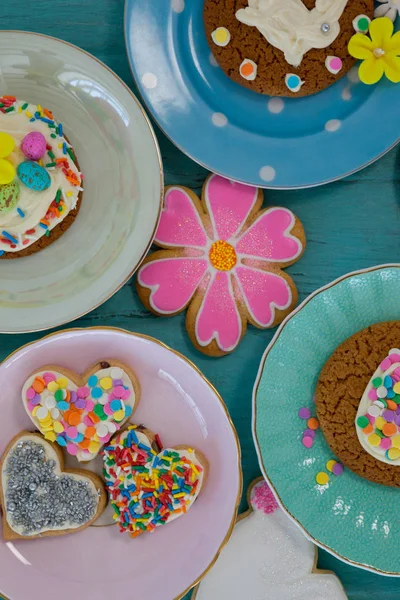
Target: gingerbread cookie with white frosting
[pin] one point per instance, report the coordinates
(40, 179)
(358, 403)
(284, 47)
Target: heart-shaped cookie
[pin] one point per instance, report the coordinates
(41, 498)
(81, 412)
(378, 415)
(148, 485)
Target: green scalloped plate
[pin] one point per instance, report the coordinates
(354, 519)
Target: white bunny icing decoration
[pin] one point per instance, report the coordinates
(291, 27)
(268, 558)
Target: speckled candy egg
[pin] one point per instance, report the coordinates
(34, 176)
(9, 196)
(34, 145)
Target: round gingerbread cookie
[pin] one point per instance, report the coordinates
(285, 47)
(358, 403)
(222, 259)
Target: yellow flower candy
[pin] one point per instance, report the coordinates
(380, 53)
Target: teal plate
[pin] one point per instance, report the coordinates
(354, 519)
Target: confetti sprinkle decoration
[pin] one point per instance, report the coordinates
(148, 486)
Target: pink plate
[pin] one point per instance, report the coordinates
(100, 563)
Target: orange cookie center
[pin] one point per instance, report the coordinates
(222, 256)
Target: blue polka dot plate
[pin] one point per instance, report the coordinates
(268, 142)
(354, 519)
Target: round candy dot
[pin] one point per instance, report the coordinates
(362, 421)
(98, 410)
(119, 415)
(51, 436)
(372, 395)
(389, 415)
(248, 69)
(322, 478)
(389, 429)
(7, 144)
(307, 441)
(106, 383)
(374, 439)
(36, 400)
(112, 428)
(221, 36)
(73, 396)
(385, 364)
(107, 410)
(61, 441)
(377, 382)
(92, 381)
(396, 441)
(81, 428)
(38, 386)
(313, 423)
(83, 392)
(62, 383)
(50, 402)
(42, 413)
(126, 394)
(88, 421)
(55, 413)
(396, 388)
(81, 403)
(293, 82)
(307, 432)
(72, 432)
(72, 449)
(103, 399)
(380, 403)
(338, 469)
(304, 413)
(59, 395)
(94, 447)
(90, 432)
(89, 405)
(330, 464)
(74, 419)
(52, 386)
(128, 412)
(380, 422)
(116, 373)
(391, 405)
(30, 393)
(374, 411)
(62, 405)
(102, 430)
(115, 405)
(119, 391)
(381, 391)
(386, 443)
(58, 427)
(361, 23)
(393, 453)
(48, 377)
(387, 381)
(79, 438)
(97, 392)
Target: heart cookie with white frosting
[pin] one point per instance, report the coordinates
(149, 485)
(81, 412)
(39, 497)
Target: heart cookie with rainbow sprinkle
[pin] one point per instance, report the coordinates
(222, 258)
(81, 412)
(150, 486)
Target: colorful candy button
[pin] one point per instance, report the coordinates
(304, 413)
(322, 478)
(248, 69)
(361, 24)
(220, 37)
(393, 453)
(374, 439)
(293, 82)
(330, 464)
(334, 64)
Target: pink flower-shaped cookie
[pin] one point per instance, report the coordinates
(222, 258)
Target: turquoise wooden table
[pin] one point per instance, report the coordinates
(350, 225)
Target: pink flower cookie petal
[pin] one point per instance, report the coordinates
(180, 223)
(173, 282)
(262, 293)
(218, 317)
(263, 499)
(269, 237)
(229, 204)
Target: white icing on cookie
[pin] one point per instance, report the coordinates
(289, 26)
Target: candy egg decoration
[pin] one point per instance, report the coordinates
(34, 145)
(9, 194)
(7, 169)
(34, 176)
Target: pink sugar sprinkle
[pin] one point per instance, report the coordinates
(49, 377)
(372, 395)
(83, 392)
(107, 410)
(88, 421)
(111, 396)
(386, 443)
(307, 441)
(126, 394)
(371, 419)
(30, 393)
(263, 499)
(30, 406)
(105, 439)
(72, 449)
(89, 405)
(394, 358)
(336, 63)
(118, 391)
(396, 371)
(385, 364)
